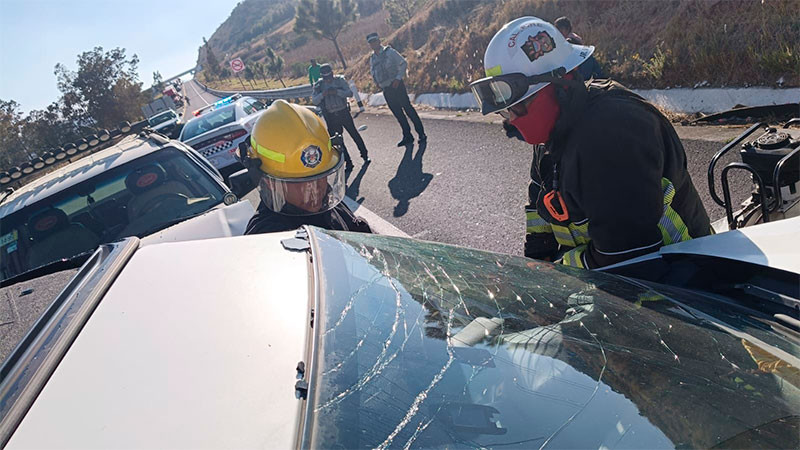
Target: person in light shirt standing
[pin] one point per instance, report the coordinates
(388, 68)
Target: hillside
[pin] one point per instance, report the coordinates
(644, 44)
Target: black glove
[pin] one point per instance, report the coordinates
(542, 246)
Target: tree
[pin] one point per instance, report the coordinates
(249, 75)
(212, 63)
(401, 11)
(274, 65)
(12, 147)
(104, 91)
(158, 82)
(261, 70)
(325, 19)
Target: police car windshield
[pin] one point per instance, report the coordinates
(431, 346)
(208, 122)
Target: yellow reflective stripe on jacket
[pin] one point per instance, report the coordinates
(563, 236)
(535, 224)
(572, 235)
(673, 229)
(574, 257)
(267, 153)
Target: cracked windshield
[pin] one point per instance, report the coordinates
(436, 346)
(510, 223)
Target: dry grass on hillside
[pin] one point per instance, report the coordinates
(640, 43)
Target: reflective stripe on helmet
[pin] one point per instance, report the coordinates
(494, 71)
(267, 153)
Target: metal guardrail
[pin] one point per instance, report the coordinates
(295, 92)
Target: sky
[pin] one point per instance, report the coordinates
(35, 35)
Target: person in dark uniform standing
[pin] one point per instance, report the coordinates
(330, 94)
(388, 68)
(299, 172)
(608, 180)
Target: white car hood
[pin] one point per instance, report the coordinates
(773, 244)
(225, 221)
(181, 355)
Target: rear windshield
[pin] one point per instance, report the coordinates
(426, 345)
(208, 122)
(161, 118)
(134, 199)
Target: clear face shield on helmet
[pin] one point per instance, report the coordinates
(304, 196)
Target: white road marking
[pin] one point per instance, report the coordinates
(198, 94)
(378, 225)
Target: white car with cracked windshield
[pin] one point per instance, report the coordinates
(323, 339)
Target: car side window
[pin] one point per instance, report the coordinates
(249, 107)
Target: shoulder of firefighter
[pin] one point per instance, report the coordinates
(623, 187)
(339, 218)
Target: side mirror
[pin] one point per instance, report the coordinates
(241, 183)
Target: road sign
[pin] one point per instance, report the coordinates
(237, 65)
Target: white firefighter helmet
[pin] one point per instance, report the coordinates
(528, 46)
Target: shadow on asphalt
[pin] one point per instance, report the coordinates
(409, 181)
(355, 185)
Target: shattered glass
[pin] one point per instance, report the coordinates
(428, 345)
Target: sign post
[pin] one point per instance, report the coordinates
(237, 65)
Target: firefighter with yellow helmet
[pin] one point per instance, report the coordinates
(299, 171)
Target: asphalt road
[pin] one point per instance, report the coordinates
(468, 185)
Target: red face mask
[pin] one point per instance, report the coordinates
(540, 119)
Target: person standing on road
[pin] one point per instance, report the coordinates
(388, 68)
(299, 173)
(589, 68)
(608, 179)
(330, 94)
(313, 72)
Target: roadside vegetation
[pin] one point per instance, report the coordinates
(643, 44)
(103, 92)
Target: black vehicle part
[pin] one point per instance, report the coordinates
(766, 158)
(726, 192)
(759, 112)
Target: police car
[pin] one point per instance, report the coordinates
(217, 130)
(322, 339)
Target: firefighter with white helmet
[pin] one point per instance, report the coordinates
(608, 179)
(299, 171)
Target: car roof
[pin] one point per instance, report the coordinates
(128, 149)
(165, 112)
(184, 360)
